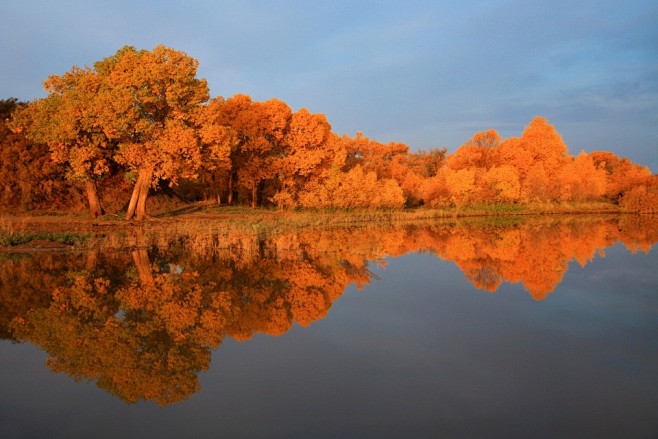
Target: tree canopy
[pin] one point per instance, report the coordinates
(143, 116)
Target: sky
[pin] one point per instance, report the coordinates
(424, 73)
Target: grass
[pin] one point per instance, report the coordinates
(13, 239)
(267, 221)
(228, 220)
(217, 228)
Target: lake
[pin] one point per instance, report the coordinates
(512, 327)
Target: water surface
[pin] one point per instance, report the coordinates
(543, 328)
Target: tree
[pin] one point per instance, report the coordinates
(622, 175)
(581, 180)
(309, 149)
(68, 121)
(539, 153)
(218, 142)
(29, 178)
(148, 106)
(259, 128)
(135, 108)
(481, 151)
(503, 182)
(372, 155)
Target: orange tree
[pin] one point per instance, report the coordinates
(309, 150)
(252, 135)
(68, 121)
(134, 108)
(148, 106)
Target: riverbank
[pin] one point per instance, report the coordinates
(77, 230)
(307, 217)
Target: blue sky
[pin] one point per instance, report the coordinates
(425, 73)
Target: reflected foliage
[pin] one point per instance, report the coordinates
(142, 323)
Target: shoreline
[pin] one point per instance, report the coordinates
(211, 212)
(37, 235)
(17, 229)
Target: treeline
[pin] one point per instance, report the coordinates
(143, 120)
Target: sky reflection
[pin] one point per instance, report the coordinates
(417, 351)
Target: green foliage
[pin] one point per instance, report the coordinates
(11, 239)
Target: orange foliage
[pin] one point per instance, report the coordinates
(581, 180)
(142, 114)
(29, 178)
(622, 176)
(501, 184)
(642, 198)
(356, 188)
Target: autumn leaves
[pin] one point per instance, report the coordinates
(133, 112)
(144, 116)
(535, 167)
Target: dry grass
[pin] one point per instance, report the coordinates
(218, 226)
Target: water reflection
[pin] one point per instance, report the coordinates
(142, 322)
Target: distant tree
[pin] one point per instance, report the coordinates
(29, 178)
(309, 149)
(642, 198)
(622, 175)
(479, 152)
(581, 180)
(372, 155)
(259, 128)
(503, 184)
(7, 106)
(538, 156)
(218, 142)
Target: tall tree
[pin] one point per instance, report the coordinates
(150, 100)
(135, 108)
(538, 156)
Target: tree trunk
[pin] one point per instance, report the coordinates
(254, 195)
(140, 192)
(279, 201)
(141, 202)
(133, 198)
(95, 209)
(230, 190)
(91, 262)
(141, 259)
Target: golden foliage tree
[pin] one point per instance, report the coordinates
(68, 120)
(149, 101)
(308, 150)
(141, 114)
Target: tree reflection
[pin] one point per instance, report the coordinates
(142, 324)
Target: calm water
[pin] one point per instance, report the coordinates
(524, 329)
